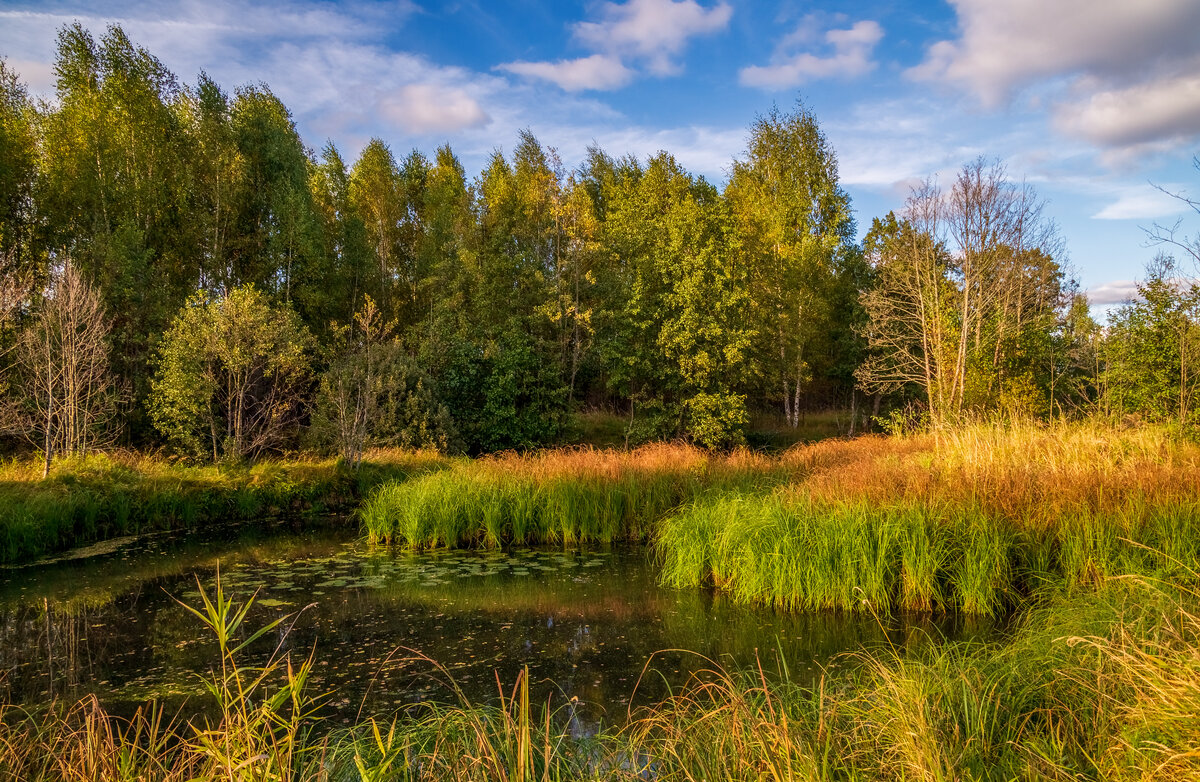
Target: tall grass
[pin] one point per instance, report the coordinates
(105, 496)
(797, 553)
(565, 496)
(1100, 686)
(975, 520)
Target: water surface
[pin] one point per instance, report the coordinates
(595, 630)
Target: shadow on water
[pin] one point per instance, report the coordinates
(586, 623)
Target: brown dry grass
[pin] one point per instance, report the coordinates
(1019, 472)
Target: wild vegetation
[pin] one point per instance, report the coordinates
(1099, 685)
(181, 275)
(93, 498)
(977, 519)
(243, 296)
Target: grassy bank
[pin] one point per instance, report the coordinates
(797, 553)
(563, 496)
(974, 520)
(106, 496)
(1103, 685)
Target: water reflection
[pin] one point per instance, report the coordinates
(586, 623)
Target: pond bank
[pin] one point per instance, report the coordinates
(102, 497)
(976, 520)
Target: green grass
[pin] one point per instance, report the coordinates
(561, 497)
(797, 553)
(101, 497)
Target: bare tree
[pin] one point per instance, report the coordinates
(958, 279)
(68, 402)
(910, 327)
(1173, 234)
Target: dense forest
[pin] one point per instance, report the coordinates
(180, 269)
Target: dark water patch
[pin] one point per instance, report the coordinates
(588, 624)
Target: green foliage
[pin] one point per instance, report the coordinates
(18, 171)
(1153, 349)
(532, 292)
(230, 377)
(406, 411)
(797, 227)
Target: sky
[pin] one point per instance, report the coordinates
(1096, 103)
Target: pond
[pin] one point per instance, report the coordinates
(593, 626)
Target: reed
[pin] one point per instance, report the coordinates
(797, 553)
(563, 497)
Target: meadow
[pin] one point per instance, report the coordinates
(1083, 537)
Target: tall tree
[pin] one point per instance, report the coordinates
(795, 221)
(277, 242)
(375, 193)
(347, 266)
(109, 191)
(18, 174)
(219, 186)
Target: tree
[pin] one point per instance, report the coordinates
(346, 267)
(965, 298)
(795, 222)
(231, 375)
(674, 336)
(377, 198)
(1153, 348)
(218, 190)
(18, 174)
(373, 394)
(1172, 234)
(68, 392)
(110, 187)
(910, 329)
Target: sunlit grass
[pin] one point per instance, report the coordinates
(104, 496)
(562, 496)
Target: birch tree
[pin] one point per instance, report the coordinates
(795, 220)
(68, 390)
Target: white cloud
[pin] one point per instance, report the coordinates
(1110, 293)
(1142, 203)
(1124, 73)
(426, 108)
(597, 72)
(1144, 113)
(852, 50)
(653, 31)
(1006, 44)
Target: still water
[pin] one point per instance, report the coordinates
(596, 631)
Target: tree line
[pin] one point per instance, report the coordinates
(180, 269)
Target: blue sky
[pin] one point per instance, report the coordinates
(1092, 101)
